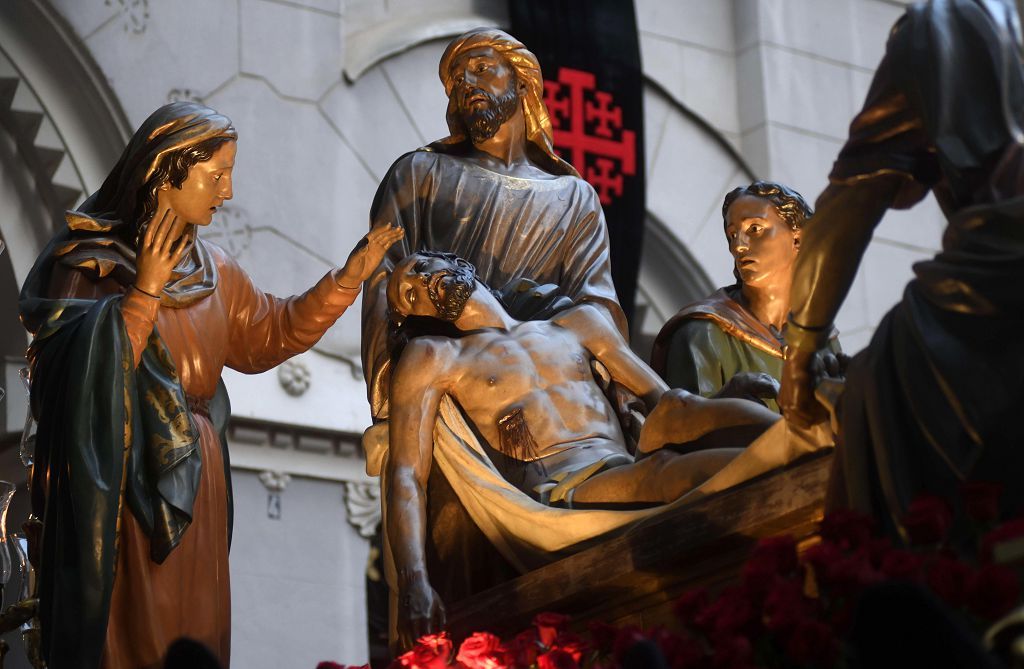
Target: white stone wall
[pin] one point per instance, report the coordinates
(293, 606)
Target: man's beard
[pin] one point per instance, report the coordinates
(482, 123)
(450, 290)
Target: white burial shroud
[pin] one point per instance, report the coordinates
(530, 534)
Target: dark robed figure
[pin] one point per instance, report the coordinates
(934, 400)
(493, 192)
(134, 316)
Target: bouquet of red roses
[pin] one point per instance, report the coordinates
(789, 609)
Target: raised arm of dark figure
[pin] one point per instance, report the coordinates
(418, 384)
(832, 245)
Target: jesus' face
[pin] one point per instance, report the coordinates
(485, 91)
(437, 285)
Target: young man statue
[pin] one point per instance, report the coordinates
(738, 328)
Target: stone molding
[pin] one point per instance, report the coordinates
(362, 502)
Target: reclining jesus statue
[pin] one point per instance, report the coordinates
(528, 391)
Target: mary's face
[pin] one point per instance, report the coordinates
(207, 186)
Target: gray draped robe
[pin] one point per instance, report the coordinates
(549, 230)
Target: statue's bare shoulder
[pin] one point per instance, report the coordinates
(590, 324)
(427, 361)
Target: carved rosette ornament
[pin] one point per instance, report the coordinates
(183, 94)
(135, 14)
(275, 483)
(295, 377)
(362, 501)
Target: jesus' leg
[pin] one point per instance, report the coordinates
(661, 477)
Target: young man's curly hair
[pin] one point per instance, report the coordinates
(790, 205)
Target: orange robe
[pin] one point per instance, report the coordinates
(238, 326)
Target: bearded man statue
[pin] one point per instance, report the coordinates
(493, 192)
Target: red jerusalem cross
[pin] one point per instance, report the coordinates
(573, 103)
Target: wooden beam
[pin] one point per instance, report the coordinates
(636, 576)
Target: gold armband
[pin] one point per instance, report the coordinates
(805, 338)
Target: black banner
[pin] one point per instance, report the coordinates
(589, 52)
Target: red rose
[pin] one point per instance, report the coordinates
(549, 625)
(927, 520)
(778, 552)
(556, 658)
(981, 500)
(812, 643)
(948, 578)
(841, 575)
(732, 652)
(728, 615)
(572, 644)
(525, 647)
(758, 579)
(992, 591)
(821, 556)
(785, 606)
(902, 565)
(432, 651)
(439, 643)
(679, 650)
(603, 636)
(483, 650)
(1008, 531)
(421, 657)
(690, 604)
(877, 550)
(628, 636)
(846, 529)
(773, 558)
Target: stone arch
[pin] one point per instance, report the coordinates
(690, 167)
(60, 131)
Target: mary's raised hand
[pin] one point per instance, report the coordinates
(368, 253)
(160, 250)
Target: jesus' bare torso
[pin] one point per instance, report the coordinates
(534, 379)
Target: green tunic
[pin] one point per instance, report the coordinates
(708, 342)
(703, 357)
